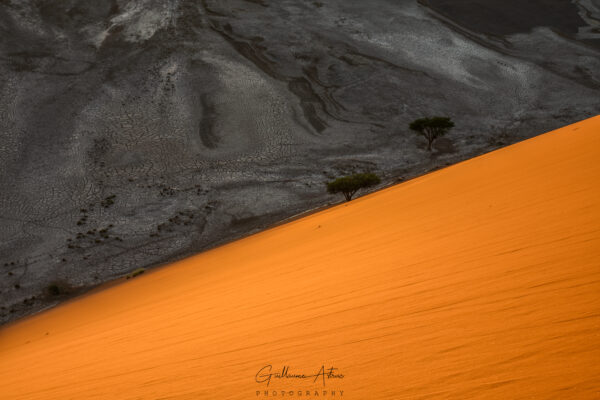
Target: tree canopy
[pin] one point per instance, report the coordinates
(349, 185)
(431, 128)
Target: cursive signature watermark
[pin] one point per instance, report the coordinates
(266, 374)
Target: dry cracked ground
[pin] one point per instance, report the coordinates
(136, 132)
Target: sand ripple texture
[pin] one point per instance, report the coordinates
(478, 281)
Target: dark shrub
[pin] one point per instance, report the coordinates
(349, 185)
(54, 290)
(431, 128)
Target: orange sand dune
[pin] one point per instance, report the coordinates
(479, 281)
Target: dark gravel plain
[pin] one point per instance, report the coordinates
(136, 132)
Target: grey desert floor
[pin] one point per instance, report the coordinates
(507, 17)
(133, 133)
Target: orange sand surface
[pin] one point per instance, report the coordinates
(478, 281)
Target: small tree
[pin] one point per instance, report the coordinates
(349, 185)
(431, 128)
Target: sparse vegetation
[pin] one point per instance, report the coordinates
(135, 273)
(349, 185)
(109, 201)
(93, 236)
(181, 218)
(58, 288)
(431, 128)
(53, 290)
(167, 191)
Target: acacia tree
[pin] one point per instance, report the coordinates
(431, 128)
(349, 185)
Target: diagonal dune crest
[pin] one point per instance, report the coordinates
(478, 281)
